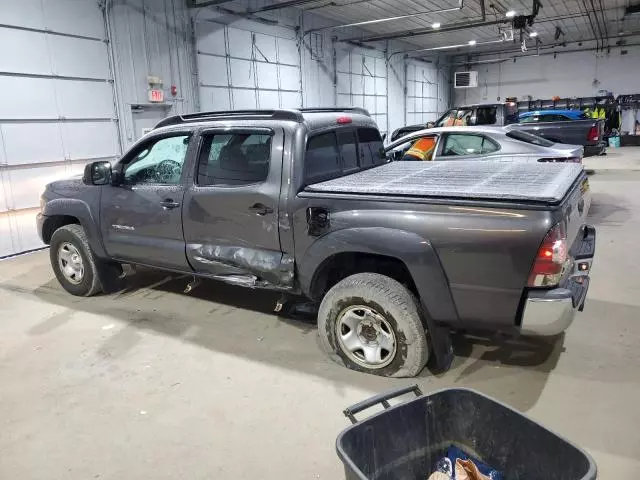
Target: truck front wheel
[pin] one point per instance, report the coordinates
(371, 323)
(75, 266)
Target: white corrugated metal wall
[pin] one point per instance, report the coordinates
(361, 76)
(427, 92)
(151, 38)
(57, 109)
(243, 69)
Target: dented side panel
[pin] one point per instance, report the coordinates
(234, 230)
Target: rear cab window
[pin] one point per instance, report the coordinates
(529, 138)
(342, 151)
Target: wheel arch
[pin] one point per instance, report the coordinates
(65, 211)
(412, 258)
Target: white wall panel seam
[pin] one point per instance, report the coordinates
(51, 32)
(257, 60)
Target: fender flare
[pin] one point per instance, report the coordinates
(71, 207)
(416, 252)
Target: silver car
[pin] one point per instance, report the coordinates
(481, 143)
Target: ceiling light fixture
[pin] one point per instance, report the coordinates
(510, 14)
(435, 25)
(472, 42)
(533, 34)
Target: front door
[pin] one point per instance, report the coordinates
(231, 207)
(141, 214)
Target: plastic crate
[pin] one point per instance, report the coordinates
(405, 441)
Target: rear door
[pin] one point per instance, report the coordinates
(230, 211)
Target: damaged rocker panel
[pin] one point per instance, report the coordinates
(243, 265)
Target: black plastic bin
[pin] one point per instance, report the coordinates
(405, 441)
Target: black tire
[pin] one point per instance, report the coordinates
(395, 303)
(75, 235)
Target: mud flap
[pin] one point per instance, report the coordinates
(441, 346)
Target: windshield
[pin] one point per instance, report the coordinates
(529, 138)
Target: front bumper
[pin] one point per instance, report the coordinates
(550, 312)
(40, 219)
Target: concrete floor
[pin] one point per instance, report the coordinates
(152, 383)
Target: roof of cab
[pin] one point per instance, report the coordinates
(314, 118)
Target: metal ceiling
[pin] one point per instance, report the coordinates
(558, 22)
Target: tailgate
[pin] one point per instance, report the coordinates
(574, 215)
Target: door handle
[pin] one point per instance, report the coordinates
(169, 204)
(260, 209)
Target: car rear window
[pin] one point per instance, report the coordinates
(529, 138)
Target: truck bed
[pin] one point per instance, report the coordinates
(511, 181)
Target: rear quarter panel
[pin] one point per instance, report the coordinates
(571, 132)
(486, 250)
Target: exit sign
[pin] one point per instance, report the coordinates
(156, 95)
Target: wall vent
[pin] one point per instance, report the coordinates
(466, 79)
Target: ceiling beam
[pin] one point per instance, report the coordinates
(382, 20)
(207, 3)
(427, 31)
(278, 6)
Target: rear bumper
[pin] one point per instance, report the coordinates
(550, 312)
(593, 150)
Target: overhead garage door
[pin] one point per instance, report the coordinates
(57, 108)
(240, 69)
(426, 97)
(362, 82)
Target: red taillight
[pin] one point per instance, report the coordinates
(343, 120)
(550, 259)
(593, 135)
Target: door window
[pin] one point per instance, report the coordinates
(234, 159)
(486, 116)
(447, 119)
(158, 162)
(464, 144)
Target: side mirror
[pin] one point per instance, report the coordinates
(97, 173)
(430, 124)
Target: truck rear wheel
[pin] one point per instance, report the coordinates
(75, 266)
(371, 323)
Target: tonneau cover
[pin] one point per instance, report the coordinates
(538, 182)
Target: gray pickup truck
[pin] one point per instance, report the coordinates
(587, 132)
(396, 254)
